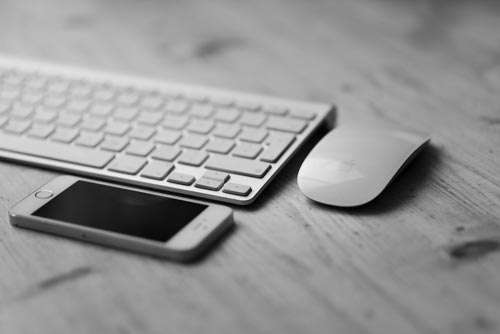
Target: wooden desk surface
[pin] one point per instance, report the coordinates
(423, 258)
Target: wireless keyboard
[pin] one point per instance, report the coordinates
(193, 140)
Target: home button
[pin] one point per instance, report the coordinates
(44, 194)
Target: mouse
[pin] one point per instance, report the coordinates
(353, 163)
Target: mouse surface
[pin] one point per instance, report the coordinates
(352, 164)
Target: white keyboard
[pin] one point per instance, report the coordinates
(199, 141)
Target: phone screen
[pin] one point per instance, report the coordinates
(120, 210)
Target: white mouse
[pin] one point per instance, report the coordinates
(352, 165)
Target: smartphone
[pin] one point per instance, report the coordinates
(122, 217)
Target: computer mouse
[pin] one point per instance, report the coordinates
(353, 164)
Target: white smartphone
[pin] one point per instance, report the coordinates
(122, 217)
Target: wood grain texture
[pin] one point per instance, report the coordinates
(422, 258)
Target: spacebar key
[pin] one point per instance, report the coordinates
(237, 165)
(55, 151)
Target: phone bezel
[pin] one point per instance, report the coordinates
(184, 244)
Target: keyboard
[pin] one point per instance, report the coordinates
(204, 142)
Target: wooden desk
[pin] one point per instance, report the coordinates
(423, 258)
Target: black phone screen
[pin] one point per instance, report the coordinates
(120, 210)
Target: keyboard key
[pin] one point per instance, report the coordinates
(68, 120)
(222, 101)
(55, 151)
(219, 145)
(116, 128)
(237, 189)
(142, 132)
(227, 130)
(173, 94)
(4, 107)
(89, 139)
(175, 122)
(201, 110)
(192, 158)
(114, 144)
(197, 97)
(35, 82)
(212, 174)
(21, 112)
(81, 89)
(302, 114)
(13, 78)
(77, 106)
(168, 137)
(181, 178)
(127, 98)
(9, 94)
(277, 136)
(152, 102)
(236, 165)
(104, 94)
(278, 144)
(165, 152)
(31, 98)
(249, 105)
(150, 118)
(92, 123)
(193, 141)
(58, 86)
(44, 115)
(177, 106)
(125, 113)
(127, 164)
(200, 126)
(64, 135)
(54, 101)
(227, 115)
(40, 130)
(253, 135)
(140, 148)
(276, 110)
(210, 184)
(17, 126)
(247, 150)
(253, 119)
(157, 170)
(101, 110)
(286, 124)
